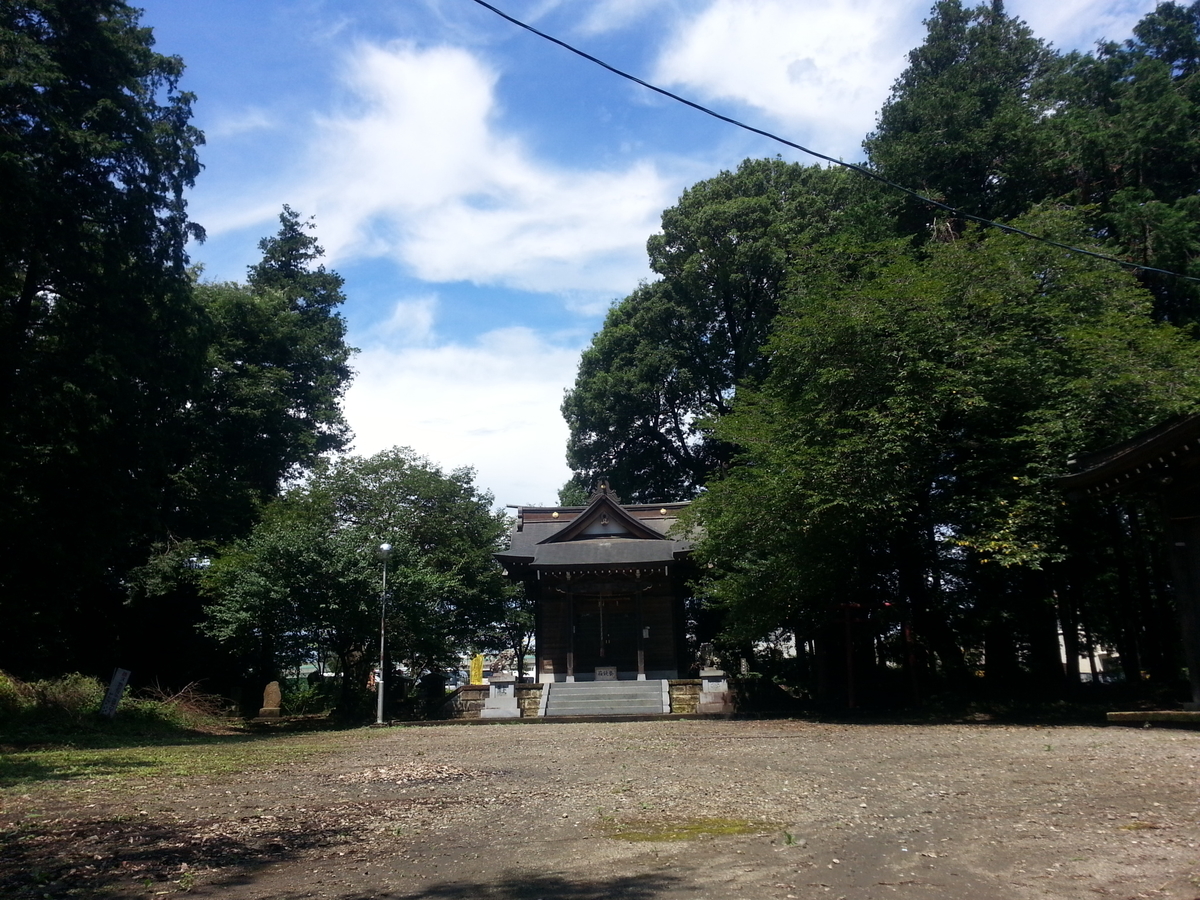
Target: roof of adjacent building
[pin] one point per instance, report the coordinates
(1157, 455)
(603, 534)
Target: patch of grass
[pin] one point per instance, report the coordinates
(683, 829)
(66, 710)
(1139, 826)
(182, 758)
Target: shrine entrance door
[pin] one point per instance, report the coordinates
(606, 631)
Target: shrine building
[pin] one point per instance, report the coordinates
(608, 581)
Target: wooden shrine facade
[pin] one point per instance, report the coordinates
(608, 581)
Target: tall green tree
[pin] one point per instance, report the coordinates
(100, 337)
(1124, 142)
(900, 457)
(962, 122)
(276, 370)
(989, 119)
(307, 582)
(265, 408)
(671, 354)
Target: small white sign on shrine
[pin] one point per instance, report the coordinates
(606, 673)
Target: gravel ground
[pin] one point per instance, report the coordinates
(776, 809)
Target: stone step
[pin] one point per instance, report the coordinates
(604, 698)
(586, 686)
(639, 709)
(607, 697)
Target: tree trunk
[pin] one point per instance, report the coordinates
(1068, 622)
(1128, 640)
(1045, 661)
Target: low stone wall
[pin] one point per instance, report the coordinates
(685, 695)
(467, 702)
(529, 698)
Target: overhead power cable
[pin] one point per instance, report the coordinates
(862, 170)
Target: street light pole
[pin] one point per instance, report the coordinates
(384, 551)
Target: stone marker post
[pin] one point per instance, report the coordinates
(116, 688)
(714, 692)
(502, 699)
(272, 700)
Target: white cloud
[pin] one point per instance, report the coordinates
(820, 69)
(609, 15)
(231, 124)
(1078, 24)
(411, 322)
(489, 405)
(421, 173)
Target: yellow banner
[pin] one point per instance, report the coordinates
(477, 669)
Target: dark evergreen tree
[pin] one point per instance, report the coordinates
(276, 371)
(266, 410)
(961, 125)
(100, 337)
(1124, 142)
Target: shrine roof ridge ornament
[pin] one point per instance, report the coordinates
(603, 489)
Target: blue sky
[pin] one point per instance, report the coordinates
(487, 195)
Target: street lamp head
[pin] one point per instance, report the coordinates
(384, 551)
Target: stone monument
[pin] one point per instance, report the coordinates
(272, 700)
(502, 699)
(715, 696)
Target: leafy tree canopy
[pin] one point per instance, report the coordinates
(924, 403)
(1124, 143)
(306, 584)
(877, 397)
(269, 407)
(961, 123)
(670, 354)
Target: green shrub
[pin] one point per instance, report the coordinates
(72, 696)
(15, 696)
(302, 699)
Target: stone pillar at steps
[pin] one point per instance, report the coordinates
(502, 699)
(714, 692)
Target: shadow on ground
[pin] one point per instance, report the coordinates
(72, 858)
(522, 886)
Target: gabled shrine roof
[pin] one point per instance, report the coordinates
(603, 533)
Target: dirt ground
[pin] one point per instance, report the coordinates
(772, 809)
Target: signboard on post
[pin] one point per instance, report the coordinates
(116, 688)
